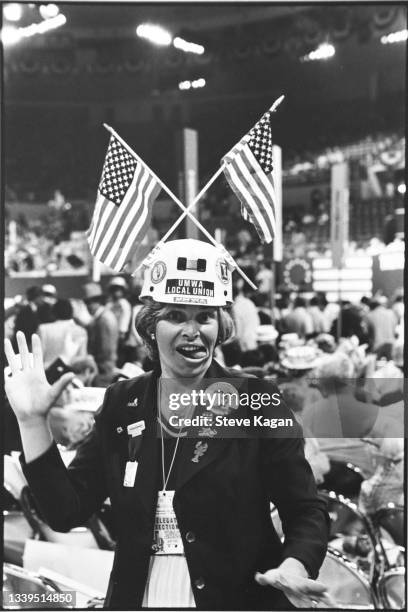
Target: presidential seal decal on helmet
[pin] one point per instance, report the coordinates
(188, 272)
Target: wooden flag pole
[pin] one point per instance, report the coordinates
(177, 201)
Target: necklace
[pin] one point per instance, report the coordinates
(178, 435)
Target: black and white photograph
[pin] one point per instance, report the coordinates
(203, 214)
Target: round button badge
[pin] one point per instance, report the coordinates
(158, 272)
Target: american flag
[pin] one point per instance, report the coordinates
(248, 169)
(123, 209)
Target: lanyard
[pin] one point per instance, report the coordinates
(166, 480)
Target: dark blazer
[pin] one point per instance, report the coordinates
(221, 501)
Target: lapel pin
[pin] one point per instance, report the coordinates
(207, 432)
(135, 429)
(133, 404)
(119, 430)
(200, 449)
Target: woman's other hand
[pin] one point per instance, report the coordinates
(291, 578)
(29, 393)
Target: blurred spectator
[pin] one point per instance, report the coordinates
(121, 308)
(265, 313)
(315, 310)
(119, 304)
(298, 320)
(54, 335)
(264, 278)
(339, 420)
(353, 323)
(103, 334)
(383, 323)
(50, 294)
(27, 319)
(386, 486)
(135, 365)
(246, 319)
(319, 462)
(85, 369)
(45, 309)
(398, 307)
(325, 343)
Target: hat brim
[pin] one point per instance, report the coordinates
(301, 366)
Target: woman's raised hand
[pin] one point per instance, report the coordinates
(29, 393)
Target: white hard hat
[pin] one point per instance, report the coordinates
(188, 272)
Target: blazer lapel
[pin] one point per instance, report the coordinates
(146, 478)
(141, 405)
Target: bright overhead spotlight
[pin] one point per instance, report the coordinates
(394, 37)
(196, 84)
(13, 11)
(10, 35)
(188, 47)
(401, 188)
(323, 52)
(48, 10)
(154, 33)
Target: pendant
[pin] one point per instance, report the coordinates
(199, 451)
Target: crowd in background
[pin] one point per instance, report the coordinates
(339, 366)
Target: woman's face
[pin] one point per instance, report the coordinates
(186, 338)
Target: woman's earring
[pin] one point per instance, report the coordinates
(153, 336)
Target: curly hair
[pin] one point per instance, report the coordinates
(150, 314)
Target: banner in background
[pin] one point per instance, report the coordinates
(339, 212)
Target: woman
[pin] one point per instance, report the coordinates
(192, 514)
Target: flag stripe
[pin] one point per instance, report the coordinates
(263, 181)
(108, 237)
(107, 210)
(141, 228)
(94, 225)
(139, 225)
(259, 182)
(125, 214)
(123, 209)
(248, 168)
(252, 194)
(244, 196)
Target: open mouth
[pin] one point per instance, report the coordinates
(192, 351)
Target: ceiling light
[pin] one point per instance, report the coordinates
(188, 47)
(196, 84)
(12, 12)
(47, 11)
(154, 33)
(10, 35)
(323, 52)
(395, 37)
(401, 188)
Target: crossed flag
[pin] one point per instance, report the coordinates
(128, 189)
